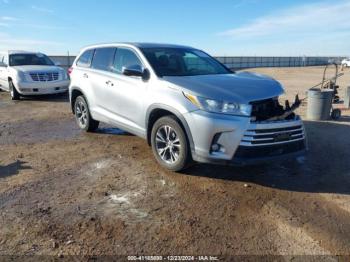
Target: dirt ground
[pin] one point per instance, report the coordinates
(65, 192)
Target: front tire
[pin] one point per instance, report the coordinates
(169, 144)
(13, 91)
(82, 115)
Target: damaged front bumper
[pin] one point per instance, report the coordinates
(226, 139)
(271, 140)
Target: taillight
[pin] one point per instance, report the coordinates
(70, 70)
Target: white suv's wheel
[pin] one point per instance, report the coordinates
(169, 144)
(13, 91)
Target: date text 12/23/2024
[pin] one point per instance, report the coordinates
(173, 258)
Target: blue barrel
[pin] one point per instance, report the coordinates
(319, 104)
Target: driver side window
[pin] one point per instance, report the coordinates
(125, 58)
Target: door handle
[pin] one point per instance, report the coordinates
(85, 75)
(109, 82)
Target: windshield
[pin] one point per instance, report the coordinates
(183, 62)
(30, 59)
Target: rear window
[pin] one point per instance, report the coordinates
(103, 58)
(85, 59)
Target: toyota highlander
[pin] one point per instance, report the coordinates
(185, 104)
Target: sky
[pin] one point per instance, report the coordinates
(221, 27)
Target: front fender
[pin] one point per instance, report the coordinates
(175, 112)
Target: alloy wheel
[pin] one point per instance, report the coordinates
(81, 114)
(168, 144)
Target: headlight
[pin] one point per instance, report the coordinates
(223, 107)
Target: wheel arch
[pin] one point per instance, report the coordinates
(73, 96)
(157, 111)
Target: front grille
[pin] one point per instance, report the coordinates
(246, 152)
(271, 136)
(265, 109)
(44, 76)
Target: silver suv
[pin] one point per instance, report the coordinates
(186, 104)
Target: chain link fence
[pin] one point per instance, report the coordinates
(241, 62)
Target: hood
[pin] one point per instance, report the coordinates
(37, 68)
(241, 87)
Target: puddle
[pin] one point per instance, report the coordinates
(4, 104)
(111, 131)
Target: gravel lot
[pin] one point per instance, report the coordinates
(64, 192)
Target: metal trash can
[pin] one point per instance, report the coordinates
(347, 97)
(319, 104)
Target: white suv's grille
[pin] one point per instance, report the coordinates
(44, 76)
(272, 136)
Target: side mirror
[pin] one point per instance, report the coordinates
(136, 70)
(57, 63)
(2, 64)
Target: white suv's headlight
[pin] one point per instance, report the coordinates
(222, 107)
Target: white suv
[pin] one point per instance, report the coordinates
(345, 62)
(29, 73)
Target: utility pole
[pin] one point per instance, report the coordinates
(68, 59)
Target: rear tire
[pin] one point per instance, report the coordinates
(83, 117)
(169, 144)
(13, 91)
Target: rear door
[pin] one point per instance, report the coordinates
(100, 80)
